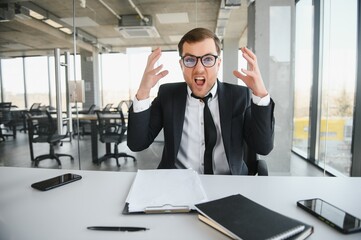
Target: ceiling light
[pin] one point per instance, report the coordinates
(168, 18)
(83, 3)
(36, 15)
(52, 23)
(80, 22)
(66, 30)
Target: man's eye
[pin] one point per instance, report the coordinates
(189, 60)
(207, 59)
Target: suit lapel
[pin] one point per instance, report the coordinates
(225, 115)
(179, 106)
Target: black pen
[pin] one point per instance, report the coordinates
(121, 229)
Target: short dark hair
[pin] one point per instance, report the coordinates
(197, 35)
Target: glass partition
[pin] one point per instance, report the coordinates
(338, 77)
(303, 76)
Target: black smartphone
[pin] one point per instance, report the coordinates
(331, 215)
(56, 181)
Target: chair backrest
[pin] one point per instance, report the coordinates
(5, 105)
(5, 113)
(124, 105)
(35, 106)
(91, 109)
(107, 107)
(111, 125)
(41, 125)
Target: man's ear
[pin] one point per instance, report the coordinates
(180, 63)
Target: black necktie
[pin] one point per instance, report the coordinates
(210, 135)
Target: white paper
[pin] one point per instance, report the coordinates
(166, 190)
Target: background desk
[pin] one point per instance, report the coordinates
(98, 199)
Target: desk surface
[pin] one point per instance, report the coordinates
(98, 199)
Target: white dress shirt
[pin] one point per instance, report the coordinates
(192, 145)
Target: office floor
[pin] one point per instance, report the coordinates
(16, 153)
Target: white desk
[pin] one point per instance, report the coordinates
(98, 199)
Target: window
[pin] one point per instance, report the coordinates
(37, 80)
(338, 79)
(122, 73)
(303, 76)
(13, 81)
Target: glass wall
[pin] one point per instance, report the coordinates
(303, 76)
(37, 78)
(338, 79)
(13, 81)
(38, 75)
(335, 78)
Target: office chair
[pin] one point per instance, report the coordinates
(111, 128)
(107, 107)
(255, 165)
(83, 124)
(124, 105)
(35, 107)
(6, 120)
(42, 129)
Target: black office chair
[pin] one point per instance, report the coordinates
(42, 129)
(35, 109)
(255, 165)
(124, 105)
(84, 125)
(108, 107)
(111, 128)
(35, 106)
(6, 120)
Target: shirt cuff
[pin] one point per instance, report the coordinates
(265, 101)
(140, 105)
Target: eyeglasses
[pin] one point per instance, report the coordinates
(207, 60)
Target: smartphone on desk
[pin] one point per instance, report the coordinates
(331, 215)
(56, 181)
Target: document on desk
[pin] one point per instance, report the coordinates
(165, 191)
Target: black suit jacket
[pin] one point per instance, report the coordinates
(241, 120)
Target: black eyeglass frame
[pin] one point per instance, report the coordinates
(201, 58)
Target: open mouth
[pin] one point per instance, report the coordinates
(200, 81)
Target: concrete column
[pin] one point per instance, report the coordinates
(90, 75)
(230, 59)
(271, 37)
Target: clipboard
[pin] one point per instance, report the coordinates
(159, 209)
(164, 191)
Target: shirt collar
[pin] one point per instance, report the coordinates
(213, 90)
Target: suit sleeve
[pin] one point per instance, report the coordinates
(143, 127)
(259, 127)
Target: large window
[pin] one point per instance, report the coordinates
(338, 73)
(330, 117)
(303, 76)
(13, 81)
(37, 78)
(122, 73)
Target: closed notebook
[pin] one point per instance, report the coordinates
(241, 218)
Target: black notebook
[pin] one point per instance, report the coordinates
(241, 218)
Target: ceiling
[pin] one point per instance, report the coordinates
(97, 24)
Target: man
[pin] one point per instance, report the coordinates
(179, 112)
